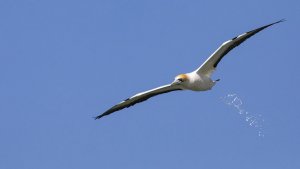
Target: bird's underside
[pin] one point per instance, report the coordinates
(184, 81)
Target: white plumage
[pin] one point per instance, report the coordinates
(198, 80)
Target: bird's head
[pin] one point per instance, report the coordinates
(180, 79)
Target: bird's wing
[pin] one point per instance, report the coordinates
(211, 63)
(140, 97)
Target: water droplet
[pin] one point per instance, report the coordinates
(254, 120)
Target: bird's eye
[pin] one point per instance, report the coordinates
(180, 80)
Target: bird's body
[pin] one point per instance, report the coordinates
(198, 80)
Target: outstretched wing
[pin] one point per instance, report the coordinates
(140, 97)
(211, 63)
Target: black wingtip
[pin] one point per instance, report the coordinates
(98, 117)
(282, 20)
(264, 27)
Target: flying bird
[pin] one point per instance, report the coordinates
(198, 80)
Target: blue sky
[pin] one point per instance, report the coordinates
(64, 62)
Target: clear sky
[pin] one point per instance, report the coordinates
(63, 62)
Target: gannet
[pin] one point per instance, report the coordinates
(198, 80)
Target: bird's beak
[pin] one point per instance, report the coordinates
(176, 82)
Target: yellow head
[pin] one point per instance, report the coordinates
(182, 76)
(180, 79)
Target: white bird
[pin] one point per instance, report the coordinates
(198, 80)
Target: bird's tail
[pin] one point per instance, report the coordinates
(216, 80)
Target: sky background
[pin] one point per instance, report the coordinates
(63, 62)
